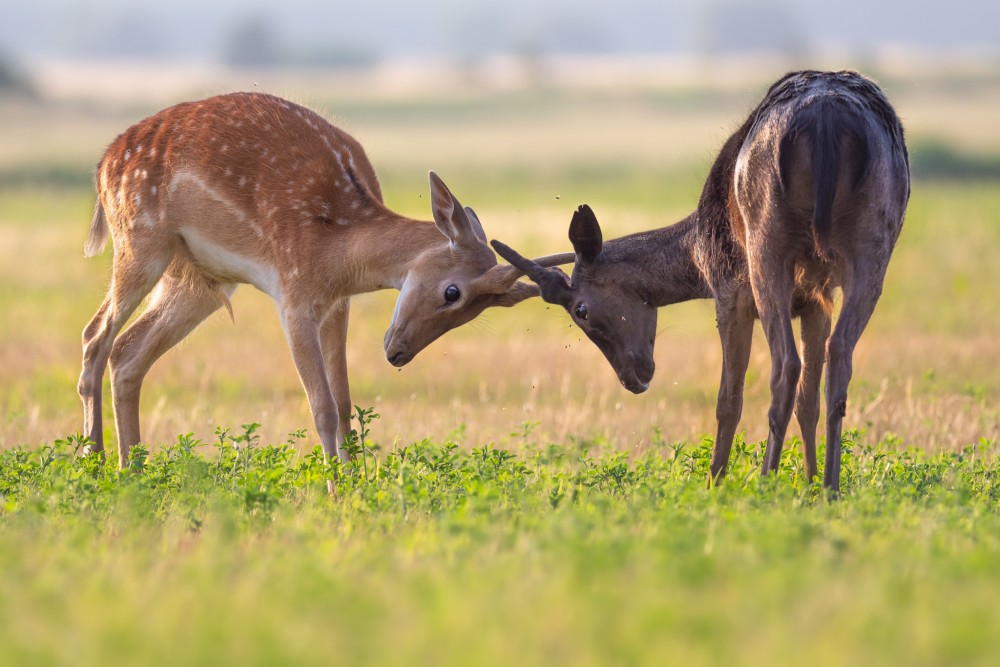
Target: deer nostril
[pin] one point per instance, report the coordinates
(398, 358)
(645, 373)
(644, 367)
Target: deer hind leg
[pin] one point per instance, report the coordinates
(815, 332)
(736, 331)
(133, 275)
(862, 287)
(772, 287)
(333, 337)
(181, 301)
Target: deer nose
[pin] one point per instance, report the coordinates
(644, 367)
(399, 358)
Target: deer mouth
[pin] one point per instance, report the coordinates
(399, 358)
(398, 354)
(630, 380)
(636, 376)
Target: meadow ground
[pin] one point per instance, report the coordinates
(553, 555)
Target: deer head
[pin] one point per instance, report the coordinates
(600, 299)
(452, 283)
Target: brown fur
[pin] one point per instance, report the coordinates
(250, 188)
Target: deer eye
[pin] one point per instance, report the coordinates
(452, 294)
(581, 311)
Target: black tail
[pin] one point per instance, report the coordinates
(827, 124)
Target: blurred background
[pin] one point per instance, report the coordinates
(526, 108)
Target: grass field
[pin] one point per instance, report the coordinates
(520, 505)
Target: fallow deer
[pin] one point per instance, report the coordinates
(250, 188)
(809, 194)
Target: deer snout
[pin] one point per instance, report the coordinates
(399, 359)
(637, 373)
(644, 368)
(397, 352)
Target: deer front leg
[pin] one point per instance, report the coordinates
(736, 332)
(303, 332)
(333, 335)
(815, 331)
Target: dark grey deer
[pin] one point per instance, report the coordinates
(807, 195)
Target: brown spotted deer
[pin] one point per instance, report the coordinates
(807, 195)
(250, 188)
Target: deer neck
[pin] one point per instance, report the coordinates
(379, 250)
(661, 264)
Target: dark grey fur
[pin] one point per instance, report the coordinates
(807, 195)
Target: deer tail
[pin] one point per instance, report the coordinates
(98, 232)
(826, 169)
(826, 124)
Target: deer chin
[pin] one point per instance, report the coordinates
(631, 382)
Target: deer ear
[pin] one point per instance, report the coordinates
(451, 218)
(475, 225)
(585, 235)
(553, 283)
